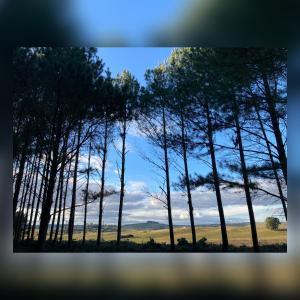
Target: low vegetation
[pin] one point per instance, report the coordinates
(158, 240)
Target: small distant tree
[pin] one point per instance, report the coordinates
(272, 223)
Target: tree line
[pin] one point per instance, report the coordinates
(65, 104)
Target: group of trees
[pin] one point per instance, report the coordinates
(64, 105)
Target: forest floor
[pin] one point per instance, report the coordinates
(208, 237)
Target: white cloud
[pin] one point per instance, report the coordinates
(136, 186)
(140, 207)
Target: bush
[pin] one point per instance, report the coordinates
(202, 242)
(182, 241)
(151, 242)
(272, 223)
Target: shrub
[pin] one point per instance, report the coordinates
(202, 242)
(151, 242)
(272, 223)
(182, 241)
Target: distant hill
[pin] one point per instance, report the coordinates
(149, 225)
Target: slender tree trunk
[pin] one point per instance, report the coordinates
(34, 195)
(72, 211)
(58, 190)
(246, 179)
(122, 179)
(61, 188)
(61, 181)
(187, 180)
(216, 178)
(26, 188)
(64, 206)
(17, 218)
(47, 203)
(59, 212)
(45, 169)
(21, 170)
(102, 183)
(283, 201)
(168, 193)
(275, 126)
(86, 193)
(31, 182)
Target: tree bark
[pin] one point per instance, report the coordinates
(187, 180)
(86, 193)
(122, 180)
(64, 205)
(246, 179)
(31, 182)
(21, 170)
(168, 193)
(45, 169)
(73, 203)
(102, 183)
(283, 201)
(275, 126)
(26, 188)
(17, 218)
(65, 195)
(58, 191)
(47, 203)
(60, 200)
(216, 178)
(34, 195)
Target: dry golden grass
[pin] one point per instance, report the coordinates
(237, 235)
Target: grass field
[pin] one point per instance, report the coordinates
(237, 235)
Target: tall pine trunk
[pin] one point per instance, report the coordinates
(17, 218)
(74, 190)
(39, 199)
(168, 193)
(21, 170)
(60, 199)
(122, 180)
(102, 182)
(27, 196)
(216, 178)
(58, 191)
(86, 193)
(245, 178)
(187, 180)
(275, 126)
(55, 142)
(34, 195)
(283, 200)
(64, 205)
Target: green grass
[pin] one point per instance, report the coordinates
(237, 235)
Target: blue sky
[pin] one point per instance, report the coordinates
(134, 59)
(137, 60)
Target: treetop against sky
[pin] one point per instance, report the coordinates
(141, 177)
